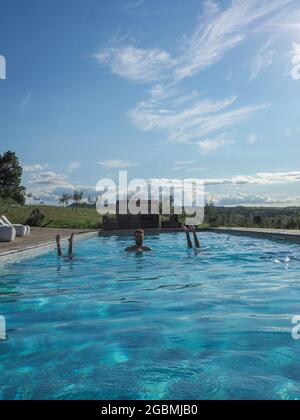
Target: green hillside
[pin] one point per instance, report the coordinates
(56, 217)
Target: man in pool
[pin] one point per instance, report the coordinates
(191, 229)
(70, 248)
(139, 237)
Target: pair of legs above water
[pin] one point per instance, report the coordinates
(70, 247)
(191, 229)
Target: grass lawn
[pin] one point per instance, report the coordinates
(59, 217)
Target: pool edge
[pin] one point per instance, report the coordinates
(34, 251)
(270, 234)
(37, 250)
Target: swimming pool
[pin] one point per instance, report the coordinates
(168, 325)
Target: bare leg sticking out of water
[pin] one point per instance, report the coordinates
(196, 240)
(70, 249)
(188, 230)
(188, 238)
(59, 251)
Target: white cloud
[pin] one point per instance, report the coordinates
(190, 124)
(261, 178)
(212, 145)
(279, 177)
(188, 166)
(296, 61)
(25, 101)
(34, 168)
(150, 115)
(195, 169)
(133, 7)
(136, 64)
(286, 21)
(289, 131)
(263, 59)
(133, 4)
(117, 164)
(184, 162)
(183, 165)
(252, 139)
(219, 31)
(183, 116)
(73, 166)
(48, 186)
(49, 179)
(240, 199)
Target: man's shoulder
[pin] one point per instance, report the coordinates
(147, 248)
(135, 248)
(131, 249)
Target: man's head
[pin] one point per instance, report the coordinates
(139, 237)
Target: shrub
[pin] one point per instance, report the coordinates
(36, 218)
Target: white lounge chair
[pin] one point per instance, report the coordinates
(7, 233)
(21, 230)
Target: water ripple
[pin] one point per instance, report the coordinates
(171, 324)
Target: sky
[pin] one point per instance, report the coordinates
(173, 89)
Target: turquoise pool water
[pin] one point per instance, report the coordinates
(168, 325)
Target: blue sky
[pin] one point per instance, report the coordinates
(165, 89)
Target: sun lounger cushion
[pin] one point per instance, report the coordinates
(21, 230)
(7, 233)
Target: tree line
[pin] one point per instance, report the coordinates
(252, 217)
(74, 200)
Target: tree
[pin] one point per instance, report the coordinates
(64, 199)
(257, 220)
(292, 224)
(11, 172)
(36, 218)
(77, 197)
(61, 200)
(277, 222)
(231, 220)
(211, 215)
(298, 220)
(91, 201)
(68, 197)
